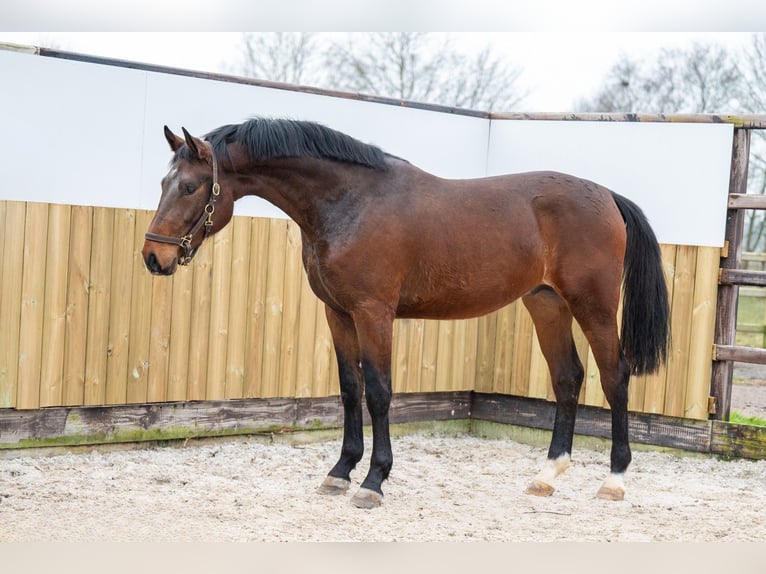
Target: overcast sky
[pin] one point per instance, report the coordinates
(564, 47)
(557, 68)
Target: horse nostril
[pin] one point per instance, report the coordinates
(152, 264)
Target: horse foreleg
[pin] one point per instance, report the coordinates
(375, 330)
(350, 375)
(553, 324)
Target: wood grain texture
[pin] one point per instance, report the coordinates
(242, 321)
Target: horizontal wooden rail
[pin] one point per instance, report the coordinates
(467, 410)
(742, 354)
(739, 121)
(747, 201)
(742, 277)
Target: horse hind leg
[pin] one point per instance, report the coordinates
(553, 324)
(599, 323)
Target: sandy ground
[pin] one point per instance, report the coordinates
(442, 488)
(748, 394)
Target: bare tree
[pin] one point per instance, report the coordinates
(699, 79)
(754, 101)
(702, 78)
(290, 57)
(423, 67)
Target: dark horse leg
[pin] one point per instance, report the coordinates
(599, 323)
(350, 374)
(363, 348)
(553, 324)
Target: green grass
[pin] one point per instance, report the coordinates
(751, 310)
(743, 420)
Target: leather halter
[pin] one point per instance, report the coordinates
(205, 220)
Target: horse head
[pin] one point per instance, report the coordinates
(192, 205)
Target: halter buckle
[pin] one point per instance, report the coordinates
(210, 210)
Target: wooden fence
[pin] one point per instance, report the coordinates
(83, 323)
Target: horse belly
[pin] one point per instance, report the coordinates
(465, 293)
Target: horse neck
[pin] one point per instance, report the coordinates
(299, 187)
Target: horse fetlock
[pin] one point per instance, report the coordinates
(542, 484)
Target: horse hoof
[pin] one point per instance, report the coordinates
(334, 486)
(611, 493)
(366, 498)
(613, 487)
(538, 488)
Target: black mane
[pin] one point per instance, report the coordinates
(269, 138)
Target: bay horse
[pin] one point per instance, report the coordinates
(384, 239)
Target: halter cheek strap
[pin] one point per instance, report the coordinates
(205, 220)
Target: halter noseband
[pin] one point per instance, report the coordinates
(205, 220)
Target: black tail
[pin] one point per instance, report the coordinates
(646, 312)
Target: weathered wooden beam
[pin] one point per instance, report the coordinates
(742, 441)
(670, 432)
(728, 295)
(741, 354)
(63, 426)
(747, 201)
(750, 277)
(739, 121)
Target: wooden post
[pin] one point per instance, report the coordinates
(726, 320)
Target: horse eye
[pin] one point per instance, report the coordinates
(188, 189)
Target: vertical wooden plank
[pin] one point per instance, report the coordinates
(681, 315)
(159, 339)
(460, 355)
(471, 340)
(98, 306)
(274, 307)
(702, 333)
(399, 355)
(219, 314)
(594, 395)
(444, 355)
(119, 306)
(256, 296)
(202, 285)
(414, 355)
(581, 344)
(32, 306)
(78, 295)
(293, 270)
(428, 367)
(485, 352)
(307, 321)
(522, 351)
(503, 342)
(54, 328)
(238, 309)
(180, 332)
(728, 295)
(539, 377)
(140, 316)
(10, 301)
(325, 381)
(650, 390)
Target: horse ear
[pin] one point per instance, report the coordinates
(196, 145)
(173, 140)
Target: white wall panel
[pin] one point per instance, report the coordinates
(678, 173)
(83, 133)
(71, 132)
